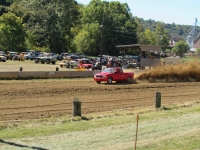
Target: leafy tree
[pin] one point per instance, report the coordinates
(82, 41)
(87, 38)
(150, 38)
(197, 52)
(180, 48)
(50, 23)
(111, 19)
(16, 8)
(140, 32)
(161, 35)
(12, 32)
(168, 50)
(4, 6)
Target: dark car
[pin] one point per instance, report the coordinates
(10, 55)
(46, 58)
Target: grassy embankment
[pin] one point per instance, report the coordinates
(175, 127)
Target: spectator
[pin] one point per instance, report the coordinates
(109, 64)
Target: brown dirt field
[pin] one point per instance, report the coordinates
(53, 98)
(34, 99)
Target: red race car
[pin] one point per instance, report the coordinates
(113, 74)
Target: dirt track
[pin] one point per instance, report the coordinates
(53, 98)
(33, 99)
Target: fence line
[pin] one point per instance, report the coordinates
(95, 106)
(104, 101)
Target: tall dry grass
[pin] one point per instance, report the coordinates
(184, 72)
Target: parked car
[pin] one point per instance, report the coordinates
(28, 55)
(62, 56)
(84, 63)
(71, 57)
(2, 52)
(69, 63)
(113, 74)
(10, 55)
(2, 57)
(131, 61)
(46, 58)
(19, 57)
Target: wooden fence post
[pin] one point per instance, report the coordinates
(158, 100)
(136, 131)
(76, 107)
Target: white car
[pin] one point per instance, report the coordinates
(30, 56)
(69, 64)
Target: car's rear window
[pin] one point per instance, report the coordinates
(85, 62)
(109, 70)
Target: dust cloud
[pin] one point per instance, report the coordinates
(185, 72)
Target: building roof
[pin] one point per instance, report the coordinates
(141, 47)
(177, 39)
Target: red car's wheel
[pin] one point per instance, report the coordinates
(129, 80)
(109, 80)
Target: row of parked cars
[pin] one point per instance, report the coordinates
(29, 55)
(37, 56)
(11, 55)
(77, 63)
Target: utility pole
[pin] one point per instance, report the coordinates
(102, 40)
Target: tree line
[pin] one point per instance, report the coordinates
(67, 26)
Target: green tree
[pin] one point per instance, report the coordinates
(162, 37)
(87, 38)
(140, 32)
(197, 52)
(155, 35)
(4, 4)
(180, 48)
(50, 23)
(111, 19)
(12, 32)
(82, 41)
(150, 38)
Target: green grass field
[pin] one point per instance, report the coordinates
(175, 127)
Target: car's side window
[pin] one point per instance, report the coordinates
(114, 71)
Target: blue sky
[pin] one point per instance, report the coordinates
(181, 12)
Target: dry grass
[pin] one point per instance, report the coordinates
(185, 72)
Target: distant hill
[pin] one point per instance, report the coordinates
(173, 29)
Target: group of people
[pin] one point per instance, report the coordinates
(114, 63)
(108, 62)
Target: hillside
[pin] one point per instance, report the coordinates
(173, 29)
